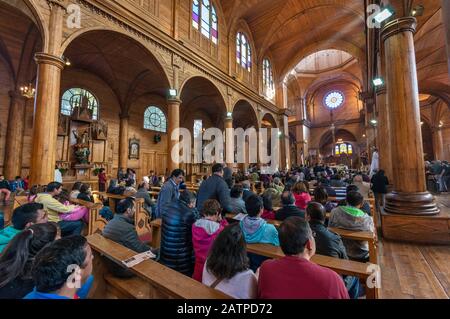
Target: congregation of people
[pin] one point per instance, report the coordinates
(198, 237)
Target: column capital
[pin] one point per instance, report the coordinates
(174, 101)
(16, 95)
(381, 90)
(44, 58)
(124, 116)
(405, 24)
(62, 4)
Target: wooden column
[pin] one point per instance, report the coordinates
(47, 101)
(445, 5)
(410, 196)
(438, 143)
(14, 136)
(286, 159)
(173, 106)
(123, 142)
(229, 145)
(384, 133)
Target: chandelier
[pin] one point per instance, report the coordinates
(28, 91)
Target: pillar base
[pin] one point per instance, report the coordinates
(433, 229)
(416, 204)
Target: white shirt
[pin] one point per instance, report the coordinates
(375, 163)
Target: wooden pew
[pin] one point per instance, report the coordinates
(340, 266)
(96, 222)
(369, 237)
(141, 218)
(156, 232)
(154, 280)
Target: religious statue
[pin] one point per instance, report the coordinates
(82, 151)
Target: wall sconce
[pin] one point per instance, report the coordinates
(28, 91)
(173, 93)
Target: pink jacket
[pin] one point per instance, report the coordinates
(302, 200)
(204, 232)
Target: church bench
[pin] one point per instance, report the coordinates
(154, 280)
(156, 232)
(367, 236)
(96, 222)
(341, 266)
(141, 218)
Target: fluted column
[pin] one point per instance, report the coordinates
(123, 141)
(384, 133)
(410, 195)
(47, 101)
(173, 106)
(14, 136)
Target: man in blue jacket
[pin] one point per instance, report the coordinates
(170, 192)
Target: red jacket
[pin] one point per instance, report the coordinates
(302, 200)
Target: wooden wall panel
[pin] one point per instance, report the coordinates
(5, 86)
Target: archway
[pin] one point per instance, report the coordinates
(342, 148)
(127, 79)
(202, 107)
(20, 39)
(427, 138)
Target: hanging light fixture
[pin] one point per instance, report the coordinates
(28, 91)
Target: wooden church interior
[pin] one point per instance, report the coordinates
(78, 97)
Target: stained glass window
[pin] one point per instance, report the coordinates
(243, 52)
(198, 127)
(334, 99)
(268, 79)
(204, 18)
(343, 148)
(155, 120)
(77, 97)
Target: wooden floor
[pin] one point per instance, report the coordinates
(409, 270)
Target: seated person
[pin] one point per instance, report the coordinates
(85, 193)
(227, 268)
(295, 276)
(60, 213)
(177, 251)
(268, 213)
(352, 218)
(16, 261)
(129, 188)
(149, 204)
(301, 194)
(5, 189)
(275, 195)
(23, 217)
(363, 187)
(58, 258)
(321, 196)
(204, 232)
(278, 185)
(247, 190)
(329, 243)
(365, 206)
(237, 203)
(256, 230)
(121, 228)
(289, 208)
(75, 190)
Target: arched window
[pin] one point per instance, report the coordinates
(77, 97)
(155, 120)
(243, 52)
(343, 148)
(269, 89)
(204, 18)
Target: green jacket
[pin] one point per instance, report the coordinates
(6, 235)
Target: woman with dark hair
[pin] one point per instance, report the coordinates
(321, 197)
(227, 267)
(268, 207)
(15, 263)
(75, 190)
(85, 193)
(32, 194)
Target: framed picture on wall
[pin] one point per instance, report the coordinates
(134, 149)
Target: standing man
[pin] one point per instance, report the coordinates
(216, 188)
(375, 166)
(170, 192)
